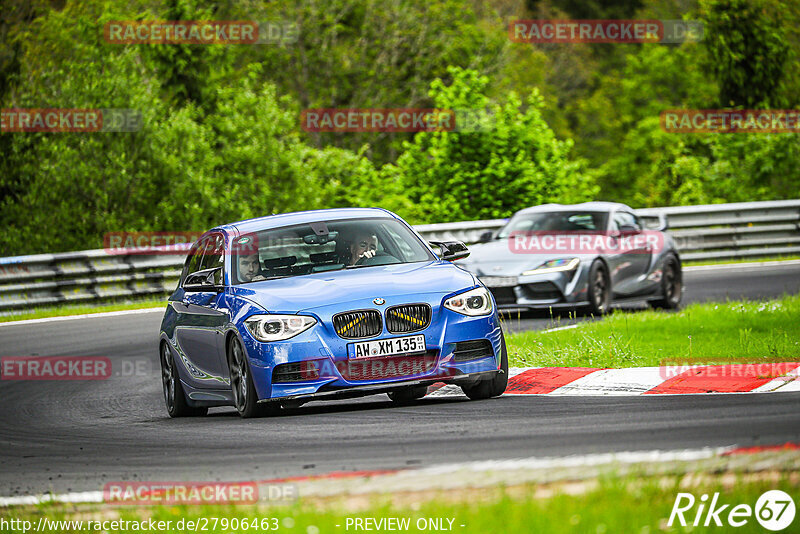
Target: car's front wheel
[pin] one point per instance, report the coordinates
(174, 396)
(492, 387)
(245, 397)
(599, 288)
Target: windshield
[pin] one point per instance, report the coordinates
(325, 246)
(555, 221)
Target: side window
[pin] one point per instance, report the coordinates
(623, 218)
(398, 243)
(212, 255)
(193, 261)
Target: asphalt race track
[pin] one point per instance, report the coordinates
(65, 436)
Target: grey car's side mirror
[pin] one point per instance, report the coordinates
(205, 280)
(485, 237)
(451, 250)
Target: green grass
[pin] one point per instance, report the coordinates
(742, 260)
(746, 331)
(79, 309)
(608, 505)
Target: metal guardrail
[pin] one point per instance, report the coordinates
(710, 232)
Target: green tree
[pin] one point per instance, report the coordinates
(748, 50)
(513, 161)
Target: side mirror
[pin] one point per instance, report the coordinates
(486, 236)
(663, 224)
(207, 280)
(451, 250)
(628, 229)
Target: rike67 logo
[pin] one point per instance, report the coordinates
(774, 510)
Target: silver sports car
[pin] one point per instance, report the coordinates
(582, 255)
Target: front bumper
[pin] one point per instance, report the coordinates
(541, 291)
(321, 347)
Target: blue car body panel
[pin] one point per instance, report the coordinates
(198, 325)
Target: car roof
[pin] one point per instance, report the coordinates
(585, 206)
(300, 217)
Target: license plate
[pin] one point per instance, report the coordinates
(386, 347)
(499, 281)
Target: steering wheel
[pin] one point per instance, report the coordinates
(380, 258)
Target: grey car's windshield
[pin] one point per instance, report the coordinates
(324, 246)
(555, 221)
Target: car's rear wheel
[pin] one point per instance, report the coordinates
(408, 394)
(671, 285)
(245, 397)
(599, 288)
(174, 396)
(492, 387)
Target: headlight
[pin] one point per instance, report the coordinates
(278, 327)
(473, 302)
(555, 266)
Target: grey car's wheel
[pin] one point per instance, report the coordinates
(174, 396)
(671, 285)
(245, 397)
(599, 289)
(495, 386)
(409, 394)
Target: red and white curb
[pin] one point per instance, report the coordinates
(667, 380)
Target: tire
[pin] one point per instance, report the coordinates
(599, 288)
(408, 395)
(174, 395)
(491, 387)
(245, 397)
(671, 285)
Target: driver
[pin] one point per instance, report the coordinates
(365, 245)
(249, 268)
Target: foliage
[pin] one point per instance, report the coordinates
(221, 138)
(749, 51)
(512, 160)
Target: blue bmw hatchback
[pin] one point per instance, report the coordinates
(281, 310)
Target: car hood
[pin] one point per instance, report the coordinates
(301, 293)
(495, 258)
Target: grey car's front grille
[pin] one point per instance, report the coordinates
(540, 291)
(358, 324)
(408, 318)
(503, 295)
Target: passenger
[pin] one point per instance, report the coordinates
(365, 245)
(250, 268)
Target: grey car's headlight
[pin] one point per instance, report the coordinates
(473, 302)
(555, 266)
(278, 327)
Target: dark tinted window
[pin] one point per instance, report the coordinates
(556, 221)
(327, 246)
